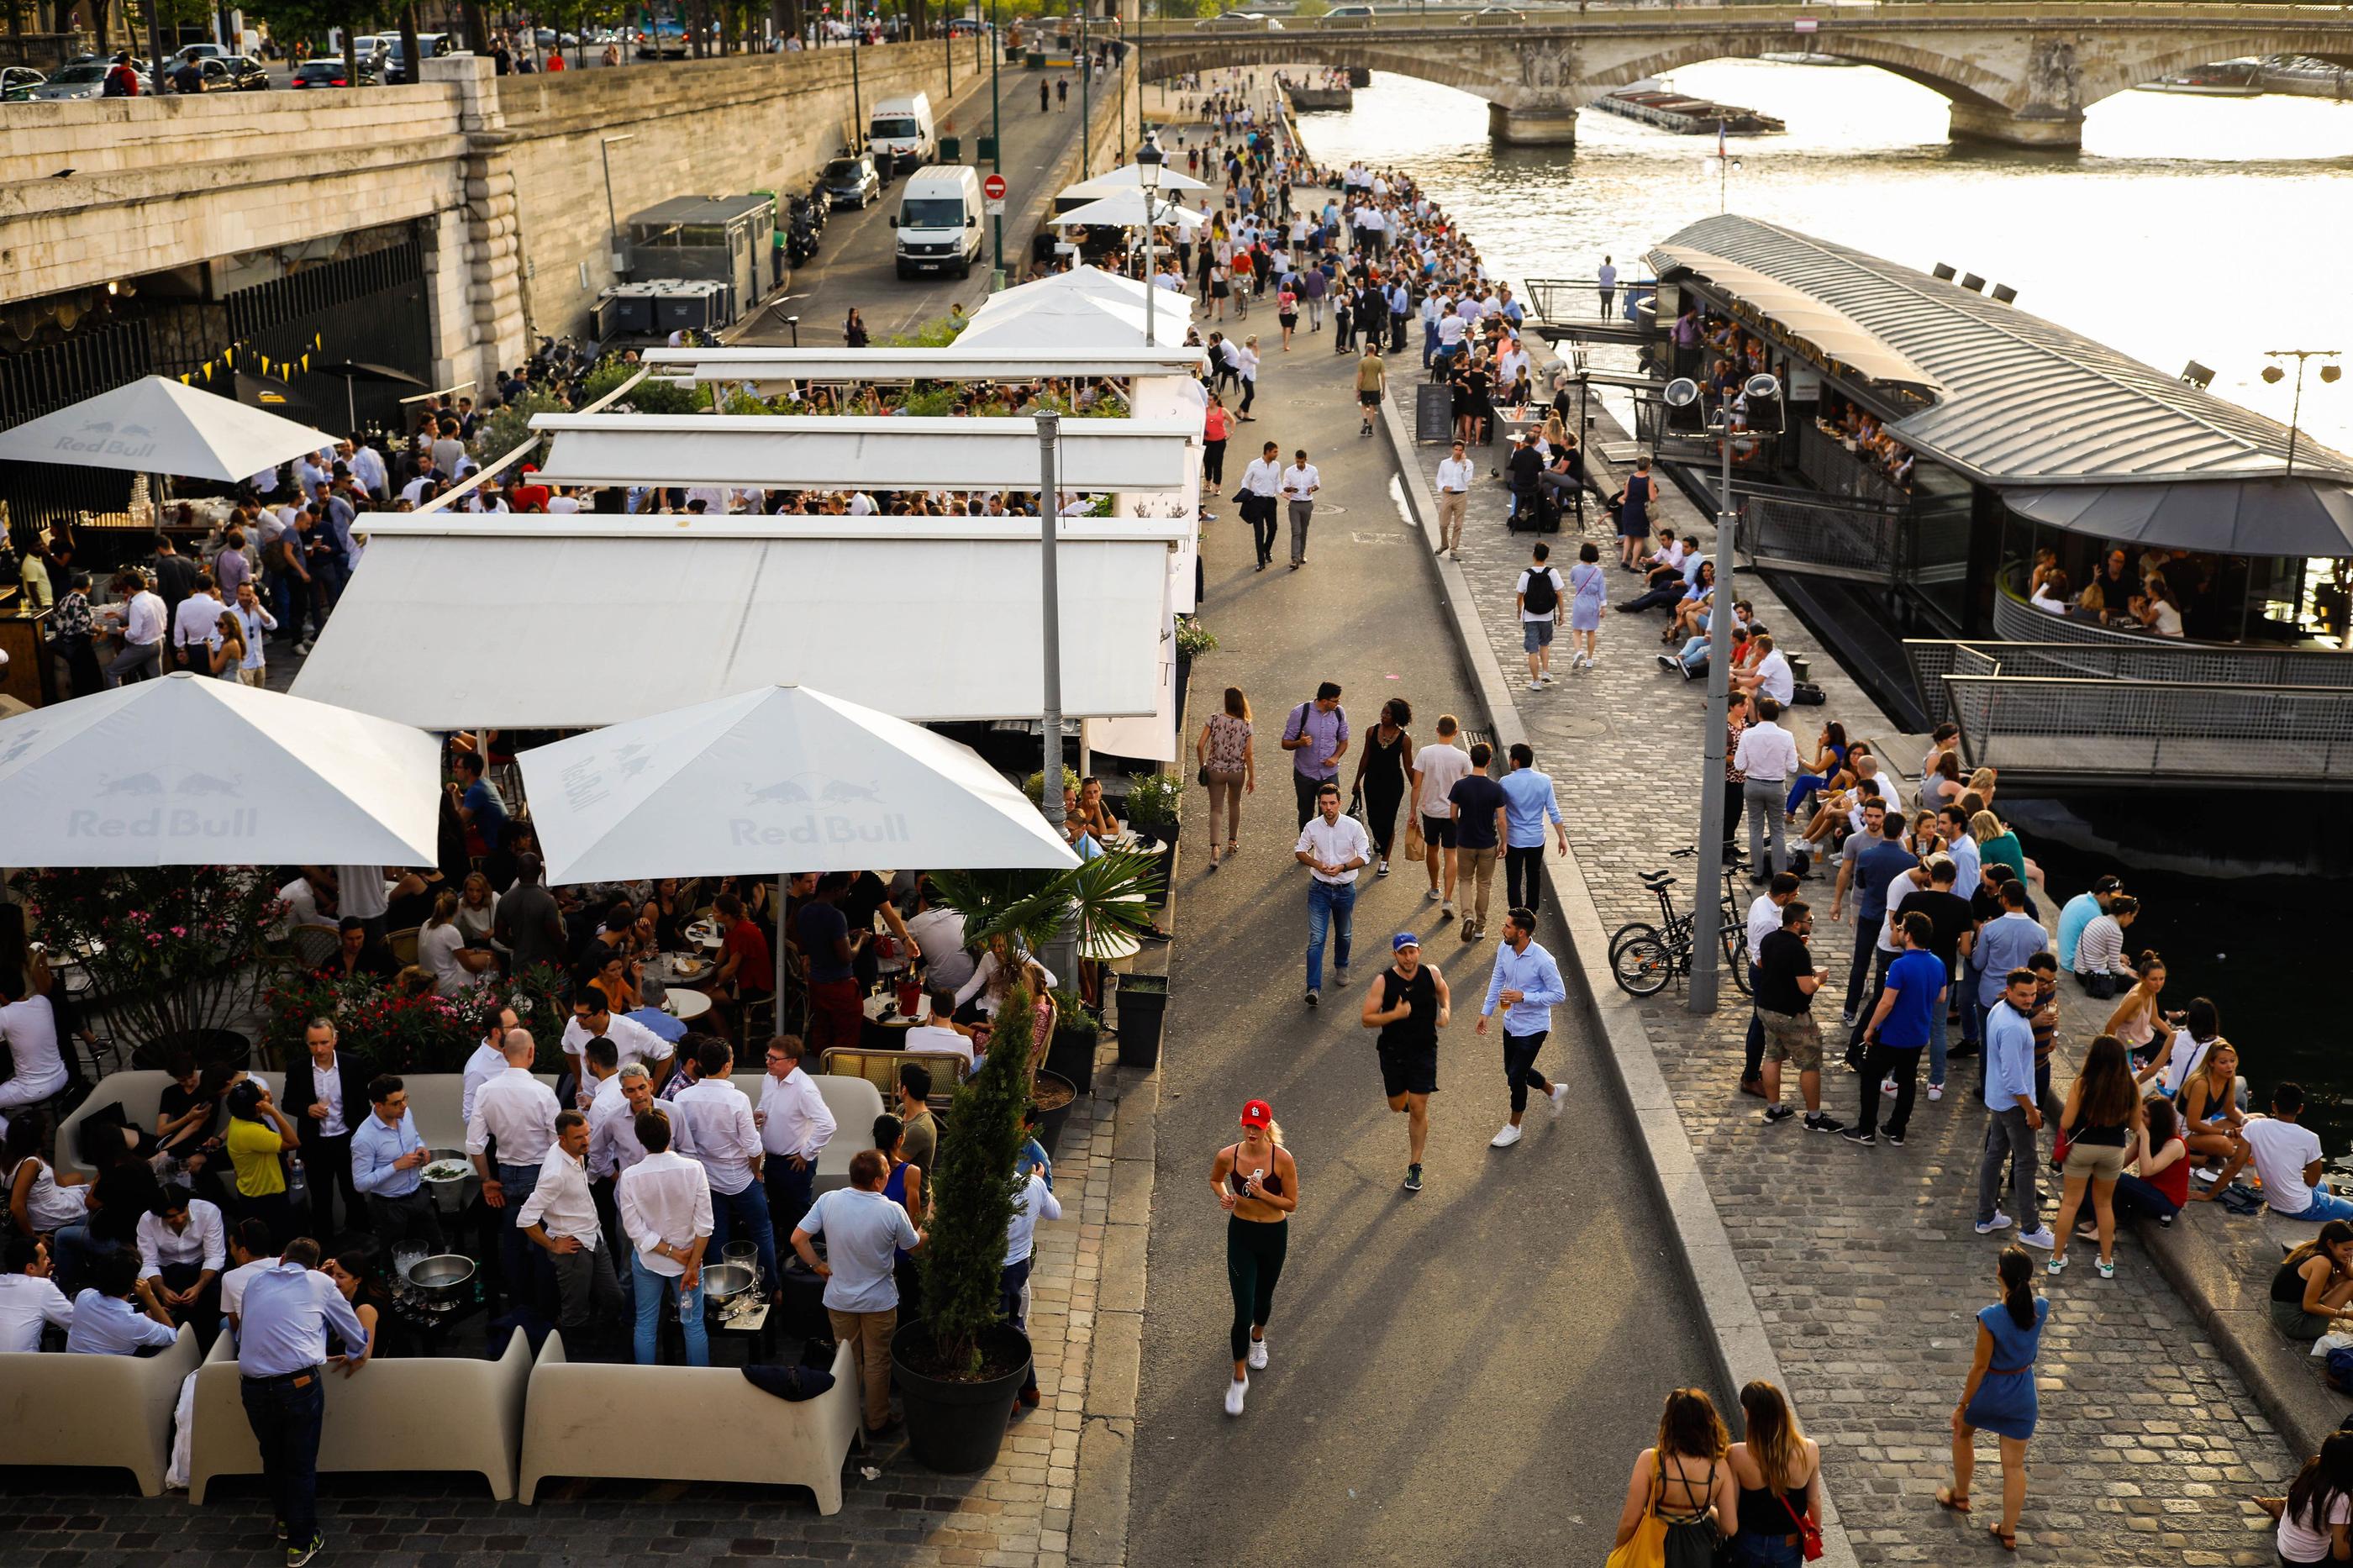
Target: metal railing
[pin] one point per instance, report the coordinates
(2146, 731)
(2086, 647)
(1803, 530)
(1840, 472)
(1849, 16)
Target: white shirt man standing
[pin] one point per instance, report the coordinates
(560, 1215)
(1262, 482)
(665, 1207)
(1766, 758)
(717, 1121)
(1333, 847)
(518, 1112)
(1454, 476)
(795, 1124)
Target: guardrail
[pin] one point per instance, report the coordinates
(2201, 732)
(1840, 472)
(2086, 647)
(1835, 13)
(1803, 530)
(2153, 662)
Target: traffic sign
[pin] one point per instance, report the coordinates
(995, 209)
(993, 187)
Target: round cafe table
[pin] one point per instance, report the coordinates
(684, 1006)
(705, 970)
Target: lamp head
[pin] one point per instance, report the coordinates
(2331, 372)
(1761, 387)
(1681, 393)
(2273, 374)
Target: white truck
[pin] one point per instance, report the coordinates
(939, 221)
(901, 134)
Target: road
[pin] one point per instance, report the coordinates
(1462, 1376)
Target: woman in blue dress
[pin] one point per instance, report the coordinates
(1999, 1396)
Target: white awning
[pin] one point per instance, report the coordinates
(530, 622)
(818, 452)
(956, 362)
(158, 426)
(1129, 177)
(1079, 322)
(1836, 334)
(1127, 210)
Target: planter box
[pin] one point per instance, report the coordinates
(1142, 1005)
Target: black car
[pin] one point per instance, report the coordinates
(18, 83)
(850, 181)
(329, 73)
(218, 73)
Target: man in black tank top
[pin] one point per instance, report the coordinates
(1409, 1003)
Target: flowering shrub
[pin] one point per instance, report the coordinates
(172, 951)
(398, 1034)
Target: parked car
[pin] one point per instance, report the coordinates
(1349, 17)
(331, 73)
(1253, 19)
(435, 45)
(1497, 16)
(18, 83)
(83, 79)
(851, 181)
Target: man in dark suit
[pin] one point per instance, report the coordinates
(326, 1095)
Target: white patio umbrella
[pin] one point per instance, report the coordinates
(1127, 209)
(1071, 321)
(189, 771)
(157, 425)
(775, 780)
(1128, 177)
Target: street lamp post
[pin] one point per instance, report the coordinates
(612, 214)
(2329, 372)
(1707, 896)
(1050, 781)
(1086, 63)
(857, 114)
(1148, 159)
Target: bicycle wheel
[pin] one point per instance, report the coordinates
(1625, 933)
(1643, 965)
(1735, 956)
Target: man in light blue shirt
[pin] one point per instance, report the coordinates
(2080, 911)
(1967, 864)
(2013, 1117)
(863, 1231)
(387, 1153)
(106, 1321)
(1526, 984)
(2003, 944)
(281, 1352)
(1528, 800)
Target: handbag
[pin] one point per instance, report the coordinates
(1646, 1548)
(1413, 842)
(1806, 1528)
(1202, 778)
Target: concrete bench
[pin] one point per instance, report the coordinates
(111, 1411)
(855, 1104)
(419, 1413)
(686, 1422)
(433, 1099)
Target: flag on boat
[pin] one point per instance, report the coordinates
(1719, 138)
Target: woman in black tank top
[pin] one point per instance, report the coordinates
(1779, 1471)
(1257, 1183)
(1684, 1481)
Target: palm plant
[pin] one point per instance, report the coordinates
(1034, 907)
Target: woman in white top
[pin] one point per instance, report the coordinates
(993, 976)
(441, 949)
(1246, 367)
(478, 912)
(2159, 612)
(37, 1201)
(2051, 594)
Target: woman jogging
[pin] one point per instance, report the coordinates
(1257, 1183)
(1999, 1395)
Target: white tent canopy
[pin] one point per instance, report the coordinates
(528, 622)
(1076, 322)
(1130, 177)
(188, 771)
(779, 778)
(1128, 208)
(821, 452)
(157, 425)
(956, 362)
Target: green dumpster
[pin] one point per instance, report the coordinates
(952, 149)
(985, 150)
(1036, 59)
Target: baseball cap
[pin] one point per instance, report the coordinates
(1258, 1113)
(1402, 941)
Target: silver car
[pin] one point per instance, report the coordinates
(84, 78)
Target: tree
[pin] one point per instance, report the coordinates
(972, 1190)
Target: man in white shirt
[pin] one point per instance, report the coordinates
(1034, 1202)
(249, 1255)
(1766, 758)
(665, 1205)
(632, 1041)
(1262, 482)
(1606, 277)
(863, 1232)
(938, 932)
(795, 1124)
(1299, 483)
(560, 1215)
(28, 1025)
(519, 1111)
(1770, 675)
(1454, 476)
(940, 1034)
(183, 1248)
(361, 891)
(715, 1118)
(29, 1299)
(2289, 1159)
(489, 1061)
(367, 466)
(1437, 768)
(140, 633)
(1333, 847)
(196, 625)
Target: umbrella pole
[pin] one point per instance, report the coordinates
(778, 1005)
(351, 419)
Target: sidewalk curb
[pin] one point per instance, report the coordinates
(1744, 1352)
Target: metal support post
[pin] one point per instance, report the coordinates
(1707, 890)
(1064, 961)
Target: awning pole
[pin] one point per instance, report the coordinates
(776, 1005)
(1049, 782)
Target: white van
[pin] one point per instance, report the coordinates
(939, 221)
(901, 134)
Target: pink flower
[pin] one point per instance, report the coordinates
(179, 930)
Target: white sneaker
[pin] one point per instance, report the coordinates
(1234, 1394)
(2042, 1238)
(1431, 896)
(1887, 1086)
(1505, 1139)
(1935, 1092)
(1559, 1097)
(1257, 1355)
(2000, 1221)
(1533, 685)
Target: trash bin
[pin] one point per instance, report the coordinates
(1036, 59)
(951, 149)
(986, 149)
(1143, 1004)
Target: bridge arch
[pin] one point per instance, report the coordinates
(1164, 57)
(1948, 76)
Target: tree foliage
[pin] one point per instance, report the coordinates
(963, 1255)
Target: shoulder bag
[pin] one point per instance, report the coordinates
(1807, 1528)
(1646, 1547)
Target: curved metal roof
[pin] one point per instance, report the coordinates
(2021, 400)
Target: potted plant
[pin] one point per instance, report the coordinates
(959, 1366)
(176, 952)
(1142, 1004)
(1077, 1031)
(1152, 806)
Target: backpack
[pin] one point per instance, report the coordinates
(2340, 1369)
(1541, 598)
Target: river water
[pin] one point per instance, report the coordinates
(2187, 228)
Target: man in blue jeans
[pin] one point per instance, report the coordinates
(1898, 1030)
(280, 1360)
(1334, 849)
(2014, 1118)
(715, 1120)
(2289, 1159)
(1879, 861)
(1526, 984)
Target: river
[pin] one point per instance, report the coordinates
(2187, 228)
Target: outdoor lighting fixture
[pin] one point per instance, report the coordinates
(1681, 393)
(2003, 294)
(2197, 375)
(795, 324)
(2275, 373)
(1148, 159)
(1943, 274)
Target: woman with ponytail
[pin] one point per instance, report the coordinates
(1778, 1469)
(1999, 1396)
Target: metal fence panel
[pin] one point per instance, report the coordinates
(1799, 530)
(2151, 731)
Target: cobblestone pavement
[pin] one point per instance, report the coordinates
(1017, 1514)
(1863, 1262)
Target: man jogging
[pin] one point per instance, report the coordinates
(1527, 983)
(1409, 1004)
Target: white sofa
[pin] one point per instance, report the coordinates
(425, 1414)
(433, 1098)
(112, 1412)
(855, 1104)
(685, 1423)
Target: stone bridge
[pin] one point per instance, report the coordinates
(2016, 73)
